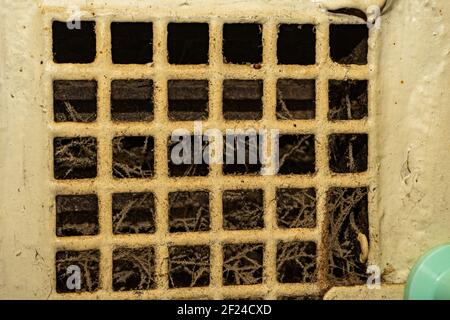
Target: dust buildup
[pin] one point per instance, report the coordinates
(296, 262)
(346, 219)
(243, 263)
(189, 266)
(191, 168)
(348, 100)
(76, 215)
(348, 153)
(296, 99)
(75, 158)
(296, 208)
(134, 269)
(133, 157)
(133, 213)
(189, 211)
(231, 150)
(74, 100)
(243, 209)
(297, 154)
(87, 261)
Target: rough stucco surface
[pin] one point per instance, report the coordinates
(414, 174)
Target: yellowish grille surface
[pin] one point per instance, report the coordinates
(160, 71)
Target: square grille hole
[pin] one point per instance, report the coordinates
(133, 213)
(242, 43)
(188, 43)
(189, 211)
(134, 269)
(75, 158)
(69, 262)
(133, 157)
(74, 45)
(131, 42)
(74, 100)
(132, 100)
(296, 208)
(296, 262)
(243, 263)
(346, 228)
(243, 209)
(189, 266)
(242, 99)
(348, 100)
(188, 99)
(76, 215)
(297, 154)
(348, 153)
(187, 155)
(296, 44)
(349, 43)
(236, 147)
(296, 99)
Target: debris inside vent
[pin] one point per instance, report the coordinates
(346, 222)
(296, 208)
(76, 215)
(132, 100)
(86, 261)
(189, 266)
(75, 158)
(189, 211)
(296, 99)
(243, 263)
(243, 209)
(133, 157)
(297, 154)
(296, 262)
(348, 100)
(134, 269)
(75, 100)
(187, 160)
(133, 213)
(236, 147)
(348, 153)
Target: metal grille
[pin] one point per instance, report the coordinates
(217, 245)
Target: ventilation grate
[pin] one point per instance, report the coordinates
(139, 224)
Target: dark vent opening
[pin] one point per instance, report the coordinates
(243, 209)
(242, 99)
(242, 43)
(72, 45)
(132, 42)
(188, 43)
(189, 211)
(133, 213)
(296, 44)
(133, 157)
(349, 43)
(297, 154)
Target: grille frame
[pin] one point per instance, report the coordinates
(160, 128)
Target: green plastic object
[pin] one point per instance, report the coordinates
(430, 277)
